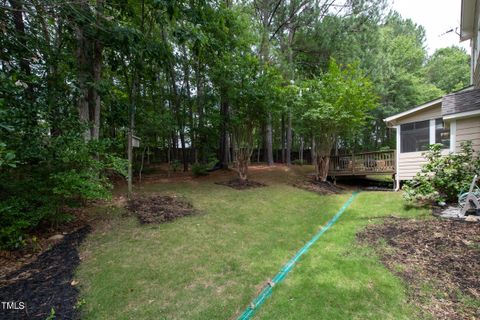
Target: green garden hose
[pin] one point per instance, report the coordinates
(267, 291)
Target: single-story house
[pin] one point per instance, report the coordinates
(449, 120)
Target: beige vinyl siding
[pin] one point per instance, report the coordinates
(468, 129)
(409, 164)
(432, 112)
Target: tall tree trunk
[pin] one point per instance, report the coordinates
(133, 102)
(289, 139)
(83, 75)
(301, 150)
(193, 140)
(224, 135)
(282, 140)
(29, 112)
(291, 34)
(200, 107)
(178, 115)
(184, 152)
(17, 12)
(82, 78)
(269, 140)
(313, 153)
(258, 149)
(264, 54)
(95, 103)
(54, 47)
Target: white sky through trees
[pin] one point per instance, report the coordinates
(437, 17)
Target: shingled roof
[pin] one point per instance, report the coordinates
(462, 101)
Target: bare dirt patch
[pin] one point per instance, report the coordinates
(318, 187)
(241, 185)
(159, 209)
(45, 283)
(442, 255)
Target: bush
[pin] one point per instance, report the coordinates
(199, 169)
(33, 193)
(175, 165)
(299, 162)
(443, 178)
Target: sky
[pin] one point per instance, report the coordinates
(437, 17)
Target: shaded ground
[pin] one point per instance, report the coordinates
(369, 183)
(45, 283)
(318, 187)
(241, 185)
(159, 209)
(41, 240)
(439, 259)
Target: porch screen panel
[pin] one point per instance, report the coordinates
(415, 136)
(442, 135)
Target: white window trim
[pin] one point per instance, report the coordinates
(432, 131)
(453, 135)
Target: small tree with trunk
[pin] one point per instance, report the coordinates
(334, 105)
(253, 94)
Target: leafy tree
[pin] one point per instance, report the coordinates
(254, 93)
(449, 69)
(196, 81)
(335, 104)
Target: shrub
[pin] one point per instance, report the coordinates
(443, 178)
(199, 169)
(175, 165)
(68, 173)
(299, 162)
(212, 161)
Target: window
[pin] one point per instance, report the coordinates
(415, 136)
(442, 135)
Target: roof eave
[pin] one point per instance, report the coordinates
(467, 19)
(391, 121)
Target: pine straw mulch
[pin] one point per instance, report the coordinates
(240, 184)
(318, 187)
(159, 209)
(439, 254)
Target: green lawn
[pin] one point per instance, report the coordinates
(210, 266)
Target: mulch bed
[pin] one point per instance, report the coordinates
(40, 240)
(241, 185)
(159, 209)
(319, 187)
(444, 254)
(45, 283)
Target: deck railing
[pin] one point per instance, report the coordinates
(366, 163)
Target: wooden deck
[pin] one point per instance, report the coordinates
(362, 164)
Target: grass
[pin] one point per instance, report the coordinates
(341, 279)
(210, 266)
